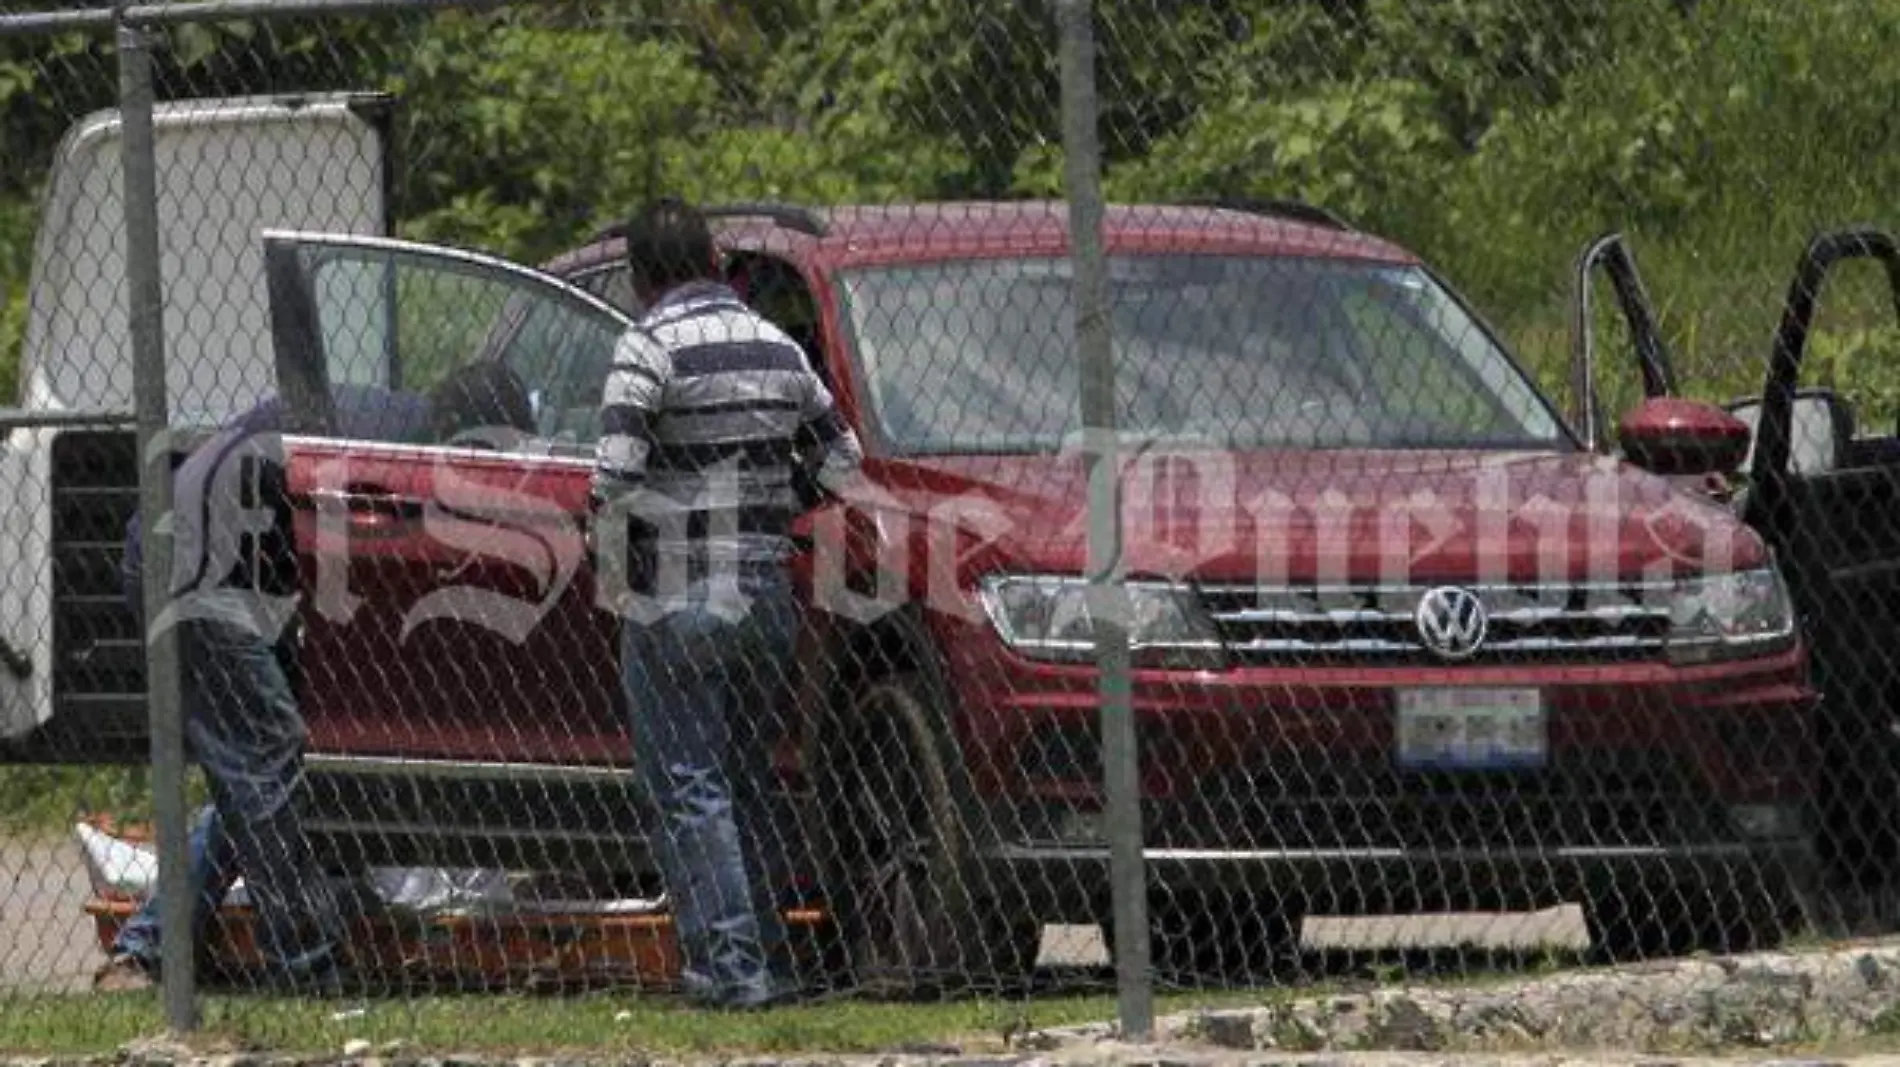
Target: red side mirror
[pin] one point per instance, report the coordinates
(1673, 436)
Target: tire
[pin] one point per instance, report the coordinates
(1656, 920)
(907, 920)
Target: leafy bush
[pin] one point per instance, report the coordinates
(1493, 136)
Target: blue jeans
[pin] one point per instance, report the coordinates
(211, 871)
(243, 727)
(702, 693)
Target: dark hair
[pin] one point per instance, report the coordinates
(668, 244)
(484, 395)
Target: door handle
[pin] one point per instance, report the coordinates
(370, 509)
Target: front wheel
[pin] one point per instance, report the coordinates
(906, 915)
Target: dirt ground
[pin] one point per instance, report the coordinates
(46, 940)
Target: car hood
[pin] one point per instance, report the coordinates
(1332, 516)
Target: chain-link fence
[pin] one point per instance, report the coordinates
(1122, 497)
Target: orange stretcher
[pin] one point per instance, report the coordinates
(462, 951)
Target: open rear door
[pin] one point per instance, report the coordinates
(1825, 493)
(72, 656)
(1611, 253)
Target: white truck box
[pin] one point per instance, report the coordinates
(71, 656)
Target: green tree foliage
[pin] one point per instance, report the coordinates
(1494, 136)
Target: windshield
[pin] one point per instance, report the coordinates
(1254, 352)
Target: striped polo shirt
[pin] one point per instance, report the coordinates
(707, 411)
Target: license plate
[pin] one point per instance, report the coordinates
(1471, 729)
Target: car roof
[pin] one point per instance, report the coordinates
(851, 235)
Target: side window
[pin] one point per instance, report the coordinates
(564, 359)
(387, 323)
(414, 322)
(776, 290)
(612, 283)
(567, 373)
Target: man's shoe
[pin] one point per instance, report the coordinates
(121, 974)
(776, 994)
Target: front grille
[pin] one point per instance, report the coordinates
(1586, 800)
(1317, 626)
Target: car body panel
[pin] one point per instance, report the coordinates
(449, 609)
(1307, 517)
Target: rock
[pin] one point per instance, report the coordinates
(1038, 1041)
(1506, 1022)
(1402, 1024)
(1871, 973)
(155, 1052)
(356, 1048)
(1754, 1001)
(1280, 1027)
(1222, 1029)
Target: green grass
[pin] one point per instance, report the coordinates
(39, 800)
(1719, 292)
(47, 799)
(600, 1024)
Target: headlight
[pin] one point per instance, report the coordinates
(1047, 618)
(1725, 616)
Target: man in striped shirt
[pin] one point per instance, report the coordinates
(703, 415)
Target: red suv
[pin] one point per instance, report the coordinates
(1400, 642)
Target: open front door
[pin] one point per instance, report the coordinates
(1612, 254)
(450, 614)
(1825, 493)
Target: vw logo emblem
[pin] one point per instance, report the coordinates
(1451, 622)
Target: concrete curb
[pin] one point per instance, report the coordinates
(1690, 1006)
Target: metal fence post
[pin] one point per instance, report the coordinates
(1107, 596)
(145, 306)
